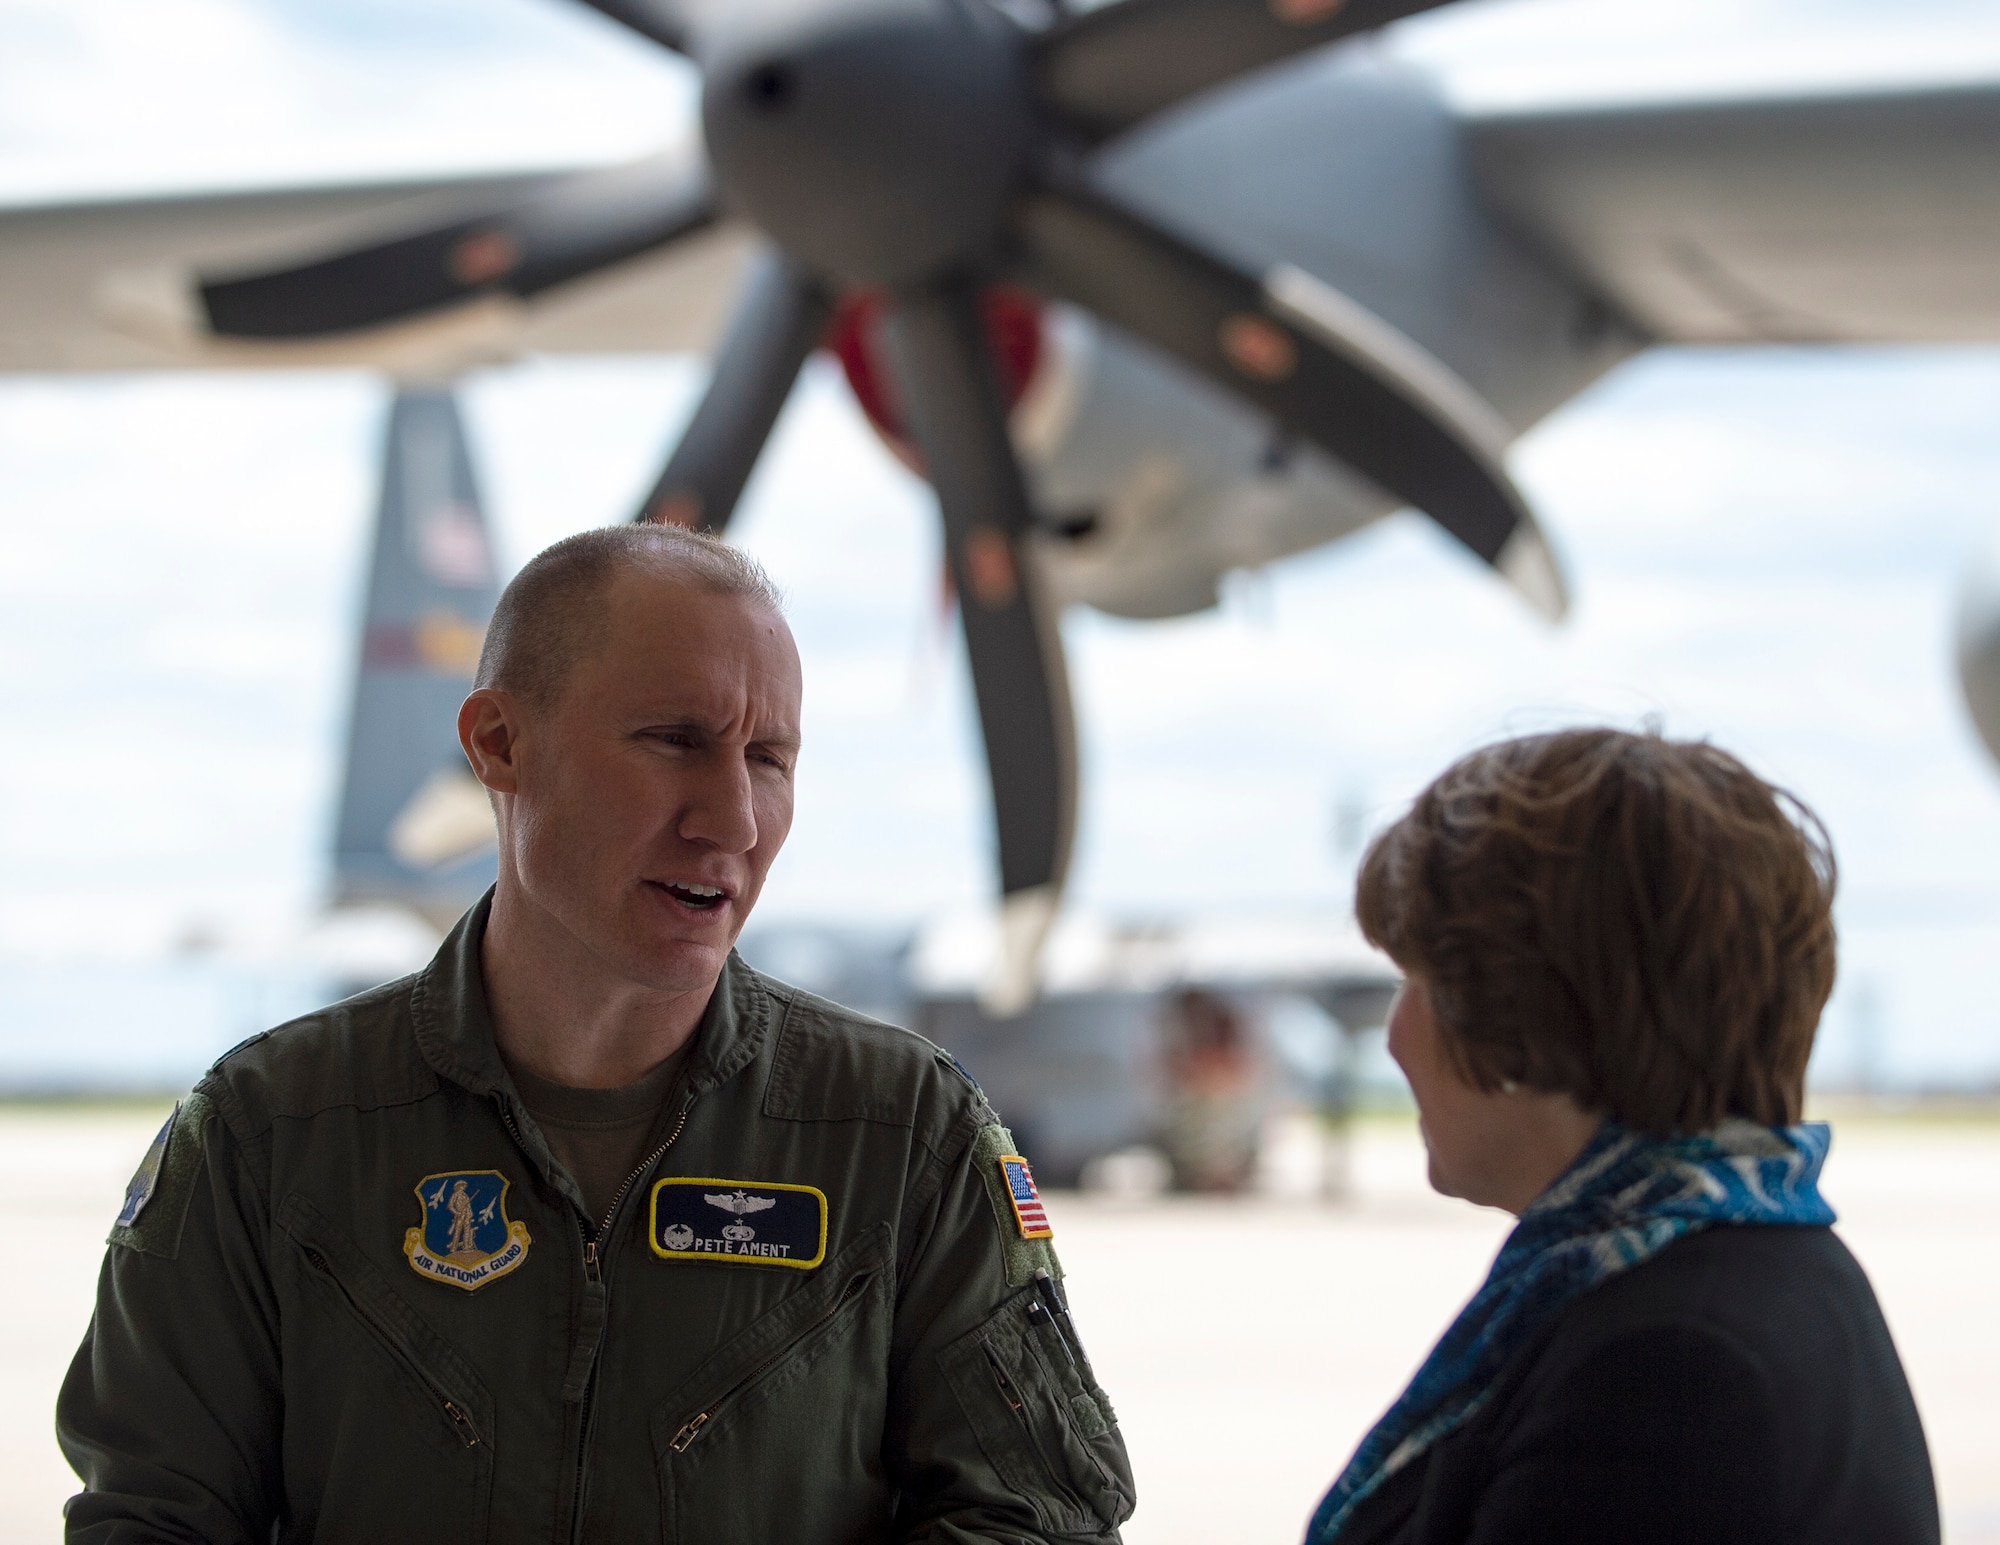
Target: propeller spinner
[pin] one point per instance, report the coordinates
(922, 152)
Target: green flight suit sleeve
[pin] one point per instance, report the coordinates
(171, 1410)
(998, 1430)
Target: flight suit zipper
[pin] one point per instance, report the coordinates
(1005, 1385)
(590, 1263)
(1016, 1399)
(598, 1298)
(462, 1424)
(691, 1428)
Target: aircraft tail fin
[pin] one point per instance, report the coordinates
(415, 827)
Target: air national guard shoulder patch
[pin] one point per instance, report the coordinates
(465, 1238)
(146, 1179)
(1034, 1223)
(739, 1222)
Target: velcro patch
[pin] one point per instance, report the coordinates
(741, 1222)
(146, 1179)
(157, 1200)
(1024, 1257)
(1028, 1214)
(466, 1237)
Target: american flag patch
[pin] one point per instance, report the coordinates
(1027, 1201)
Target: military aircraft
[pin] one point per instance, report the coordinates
(414, 827)
(1149, 292)
(1109, 1057)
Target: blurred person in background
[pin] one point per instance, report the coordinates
(1215, 1104)
(1616, 949)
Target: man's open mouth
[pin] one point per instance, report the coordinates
(703, 898)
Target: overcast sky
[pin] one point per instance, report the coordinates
(1764, 546)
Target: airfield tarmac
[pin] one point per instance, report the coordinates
(1248, 1344)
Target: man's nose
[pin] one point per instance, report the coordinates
(720, 812)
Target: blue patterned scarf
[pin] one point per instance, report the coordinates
(1627, 1197)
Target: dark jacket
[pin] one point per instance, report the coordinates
(1738, 1387)
(306, 1333)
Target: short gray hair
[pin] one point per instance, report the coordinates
(548, 619)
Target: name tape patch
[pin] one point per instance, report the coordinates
(465, 1238)
(1026, 1199)
(743, 1222)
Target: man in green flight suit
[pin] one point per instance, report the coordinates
(588, 1231)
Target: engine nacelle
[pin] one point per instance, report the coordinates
(1154, 482)
(1979, 645)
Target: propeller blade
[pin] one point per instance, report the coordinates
(951, 397)
(1105, 70)
(780, 319)
(665, 22)
(575, 225)
(1322, 366)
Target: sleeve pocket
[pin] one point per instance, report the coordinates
(1045, 1427)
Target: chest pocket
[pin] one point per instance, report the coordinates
(1041, 1420)
(395, 1414)
(786, 1418)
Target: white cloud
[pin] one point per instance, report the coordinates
(109, 96)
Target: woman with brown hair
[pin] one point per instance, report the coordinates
(1616, 948)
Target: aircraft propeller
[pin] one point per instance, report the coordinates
(923, 151)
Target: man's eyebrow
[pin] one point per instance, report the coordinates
(679, 721)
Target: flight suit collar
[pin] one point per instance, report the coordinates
(454, 1018)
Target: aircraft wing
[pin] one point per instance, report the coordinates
(1860, 217)
(96, 286)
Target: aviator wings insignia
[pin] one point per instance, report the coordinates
(741, 1204)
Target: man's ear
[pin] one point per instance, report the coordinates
(489, 728)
